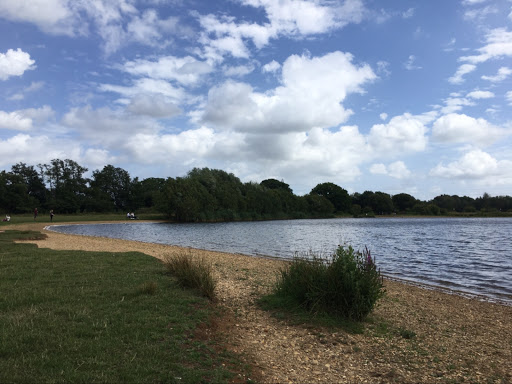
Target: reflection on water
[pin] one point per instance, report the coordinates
(471, 255)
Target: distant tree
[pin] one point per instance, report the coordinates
(338, 196)
(403, 202)
(68, 187)
(33, 180)
(276, 184)
(113, 184)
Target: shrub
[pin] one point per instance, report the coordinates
(192, 272)
(347, 284)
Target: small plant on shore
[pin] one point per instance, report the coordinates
(347, 284)
(192, 272)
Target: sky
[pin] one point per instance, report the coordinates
(398, 96)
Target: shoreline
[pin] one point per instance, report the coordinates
(414, 335)
(507, 301)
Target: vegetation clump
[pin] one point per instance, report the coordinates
(192, 272)
(345, 285)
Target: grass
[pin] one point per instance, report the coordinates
(192, 272)
(73, 316)
(63, 218)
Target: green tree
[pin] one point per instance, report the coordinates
(114, 185)
(276, 184)
(403, 202)
(338, 196)
(68, 187)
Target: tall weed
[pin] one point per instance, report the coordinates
(347, 284)
(192, 272)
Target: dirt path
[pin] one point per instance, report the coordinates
(416, 335)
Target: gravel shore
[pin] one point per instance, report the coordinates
(415, 335)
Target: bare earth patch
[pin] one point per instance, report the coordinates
(415, 335)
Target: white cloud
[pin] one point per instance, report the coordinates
(378, 169)
(480, 95)
(273, 66)
(405, 133)
(238, 71)
(476, 164)
(52, 16)
(184, 70)
(464, 69)
(22, 120)
(310, 96)
(408, 14)
(108, 127)
(409, 64)
(454, 104)
(149, 87)
(398, 170)
(499, 44)
(15, 121)
(153, 106)
(502, 74)
(296, 18)
(480, 13)
(383, 116)
(117, 22)
(15, 63)
(460, 128)
(508, 96)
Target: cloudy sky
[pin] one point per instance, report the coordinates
(396, 96)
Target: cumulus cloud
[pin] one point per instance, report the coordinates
(499, 44)
(297, 18)
(480, 94)
(15, 121)
(238, 71)
(476, 164)
(15, 63)
(22, 120)
(508, 96)
(464, 69)
(460, 128)
(409, 64)
(117, 22)
(186, 71)
(154, 107)
(397, 170)
(405, 133)
(502, 74)
(455, 103)
(108, 127)
(149, 87)
(310, 96)
(273, 66)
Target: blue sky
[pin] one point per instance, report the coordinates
(393, 96)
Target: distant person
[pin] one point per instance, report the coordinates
(7, 218)
(128, 215)
(35, 214)
(51, 214)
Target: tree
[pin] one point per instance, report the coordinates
(113, 184)
(338, 196)
(403, 202)
(276, 184)
(68, 187)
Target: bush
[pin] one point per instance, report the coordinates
(347, 284)
(193, 273)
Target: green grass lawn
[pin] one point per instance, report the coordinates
(63, 218)
(73, 316)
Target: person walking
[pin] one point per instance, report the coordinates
(51, 214)
(35, 214)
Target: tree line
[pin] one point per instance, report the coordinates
(210, 195)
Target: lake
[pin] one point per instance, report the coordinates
(470, 255)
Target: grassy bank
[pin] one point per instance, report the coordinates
(45, 218)
(74, 316)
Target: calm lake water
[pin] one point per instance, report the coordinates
(471, 255)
